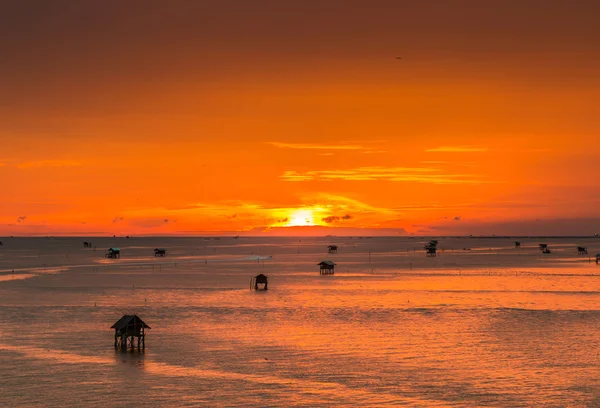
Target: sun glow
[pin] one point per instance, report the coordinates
(300, 218)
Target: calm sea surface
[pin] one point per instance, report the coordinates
(481, 325)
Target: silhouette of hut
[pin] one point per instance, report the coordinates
(127, 328)
(1, 243)
(332, 249)
(113, 253)
(87, 244)
(160, 252)
(543, 247)
(431, 248)
(259, 280)
(517, 244)
(546, 251)
(582, 250)
(326, 267)
(597, 259)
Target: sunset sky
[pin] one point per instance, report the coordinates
(272, 116)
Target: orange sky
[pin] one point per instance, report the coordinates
(196, 117)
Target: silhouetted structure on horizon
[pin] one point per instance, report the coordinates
(431, 248)
(160, 252)
(517, 244)
(127, 328)
(332, 249)
(113, 253)
(326, 267)
(87, 244)
(582, 250)
(259, 280)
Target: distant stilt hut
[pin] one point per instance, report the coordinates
(543, 247)
(326, 267)
(87, 244)
(160, 252)
(517, 244)
(597, 259)
(1, 243)
(259, 280)
(332, 249)
(113, 253)
(127, 328)
(431, 248)
(582, 250)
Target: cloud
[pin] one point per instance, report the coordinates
(457, 218)
(401, 174)
(286, 219)
(335, 218)
(458, 149)
(311, 146)
(117, 219)
(21, 219)
(166, 220)
(49, 163)
(374, 151)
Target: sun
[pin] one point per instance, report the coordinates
(301, 218)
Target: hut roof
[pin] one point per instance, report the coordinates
(127, 319)
(160, 250)
(260, 276)
(332, 246)
(114, 249)
(329, 263)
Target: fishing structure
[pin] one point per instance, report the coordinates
(127, 329)
(259, 279)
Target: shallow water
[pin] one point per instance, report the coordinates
(482, 324)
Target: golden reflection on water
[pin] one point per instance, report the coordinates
(488, 328)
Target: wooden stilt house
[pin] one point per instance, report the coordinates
(127, 329)
(113, 253)
(326, 267)
(259, 280)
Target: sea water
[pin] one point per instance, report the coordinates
(483, 324)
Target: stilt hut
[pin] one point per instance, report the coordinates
(160, 252)
(582, 250)
(87, 244)
(431, 248)
(517, 244)
(597, 259)
(259, 280)
(332, 249)
(127, 329)
(326, 267)
(1, 243)
(543, 247)
(113, 253)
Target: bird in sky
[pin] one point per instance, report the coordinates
(398, 57)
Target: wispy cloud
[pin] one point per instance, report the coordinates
(399, 174)
(117, 219)
(458, 149)
(49, 163)
(312, 146)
